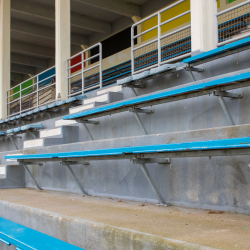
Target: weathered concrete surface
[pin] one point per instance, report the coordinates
(15, 178)
(94, 235)
(221, 183)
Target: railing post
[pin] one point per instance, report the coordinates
(159, 39)
(37, 93)
(100, 61)
(82, 55)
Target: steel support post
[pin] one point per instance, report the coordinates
(225, 110)
(152, 184)
(140, 123)
(26, 168)
(86, 127)
(75, 178)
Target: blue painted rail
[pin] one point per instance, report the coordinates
(234, 143)
(25, 238)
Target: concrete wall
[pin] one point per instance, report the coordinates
(220, 183)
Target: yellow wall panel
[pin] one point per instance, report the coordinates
(166, 15)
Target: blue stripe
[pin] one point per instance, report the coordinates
(174, 147)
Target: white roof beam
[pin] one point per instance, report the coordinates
(43, 31)
(46, 12)
(29, 60)
(32, 49)
(115, 6)
(22, 69)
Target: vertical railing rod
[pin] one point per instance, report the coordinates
(83, 83)
(37, 93)
(132, 50)
(100, 59)
(159, 39)
(216, 30)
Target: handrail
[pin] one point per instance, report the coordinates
(217, 14)
(159, 36)
(84, 68)
(35, 88)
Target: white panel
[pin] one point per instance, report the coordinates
(60, 123)
(33, 143)
(81, 108)
(103, 98)
(111, 89)
(50, 132)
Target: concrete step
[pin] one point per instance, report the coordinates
(106, 98)
(114, 88)
(57, 136)
(62, 122)
(85, 107)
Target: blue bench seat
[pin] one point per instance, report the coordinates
(219, 51)
(30, 127)
(234, 143)
(26, 238)
(153, 97)
(2, 133)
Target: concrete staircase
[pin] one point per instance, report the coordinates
(64, 132)
(104, 96)
(55, 136)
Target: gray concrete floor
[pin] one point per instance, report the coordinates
(205, 227)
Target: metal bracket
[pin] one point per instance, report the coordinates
(228, 94)
(153, 160)
(225, 110)
(90, 121)
(192, 68)
(138, 110)
(152, 184)
(74, 162)
(67, 164)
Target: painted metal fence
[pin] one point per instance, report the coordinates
(84, 73)
(232, 24)
(32, 93)
(164, 47)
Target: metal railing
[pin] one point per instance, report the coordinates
(165, 48)
(22, 98)
(87, 77)
(232, 24)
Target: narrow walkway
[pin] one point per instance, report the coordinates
(209, 228)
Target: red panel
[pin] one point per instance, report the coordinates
(76, 60)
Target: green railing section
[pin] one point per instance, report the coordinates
(24, 86)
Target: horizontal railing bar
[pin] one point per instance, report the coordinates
(232, 8)
(146, 31)
(45, 70)
(43, 80)
(176, 17)
(233, 39)
(13, 101)
(145, 44)
(69, 77)
(176, 58)
(95, 66)
(48, 86)
(147, 68)
(145, 19)
(81, 52)
(79, 92)
(176, 31)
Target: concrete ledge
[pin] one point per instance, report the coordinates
(87, 234)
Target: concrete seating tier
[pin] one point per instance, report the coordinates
(154, 99)
(130, 152)
(24, 238)
(45, 108)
